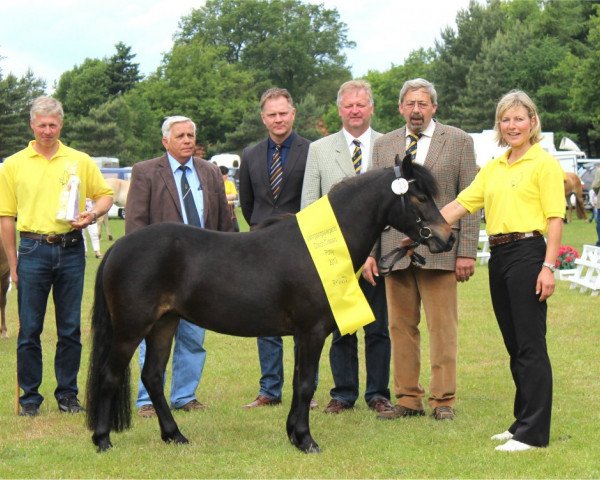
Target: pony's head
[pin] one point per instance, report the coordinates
(415, 212)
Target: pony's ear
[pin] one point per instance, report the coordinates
(407, 166)
(397, 161)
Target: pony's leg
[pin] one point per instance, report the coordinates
(308, 352)
(112, 377)
(158, 350)
(106, 223)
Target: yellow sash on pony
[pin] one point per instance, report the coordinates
(330, 255)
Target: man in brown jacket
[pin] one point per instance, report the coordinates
(448, 152)
(178, 187)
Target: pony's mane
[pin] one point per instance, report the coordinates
(423, 177)
(425, 180)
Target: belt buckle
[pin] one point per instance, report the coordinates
(52, 239)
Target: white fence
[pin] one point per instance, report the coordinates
(587, 271)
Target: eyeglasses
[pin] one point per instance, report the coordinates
(421, 105)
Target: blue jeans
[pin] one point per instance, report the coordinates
(188, 362)
(40, 268)
(343, 354)
(270, 355)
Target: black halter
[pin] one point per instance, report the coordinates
(387, 261)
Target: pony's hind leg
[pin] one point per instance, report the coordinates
(308, 352)
(158, 349)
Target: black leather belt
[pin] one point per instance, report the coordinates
(501, 239)
(64, 240)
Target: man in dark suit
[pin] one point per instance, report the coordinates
(331, 159)
(448, 152)
(271, 175)
(159, 192)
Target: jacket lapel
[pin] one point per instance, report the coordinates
(164, 170)
(435, 147)
(342, 155)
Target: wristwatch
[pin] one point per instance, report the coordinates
(551, 267)
(95, 217)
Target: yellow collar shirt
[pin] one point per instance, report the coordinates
(520, 197)
(31, 185)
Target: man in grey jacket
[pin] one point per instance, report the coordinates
(331, 159)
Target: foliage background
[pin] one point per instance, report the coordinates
(226, 53)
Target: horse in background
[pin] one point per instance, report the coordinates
(120, 190)
(4, 284)
(573, 186)
(137, 299)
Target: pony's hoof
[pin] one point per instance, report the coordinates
(311, 448)
(103, 445)
(177, 439)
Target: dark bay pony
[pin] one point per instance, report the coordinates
(151, 278)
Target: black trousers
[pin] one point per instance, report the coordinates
(343, 354)
(513, 269)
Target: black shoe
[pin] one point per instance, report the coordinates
(70, 404)
(29, 410)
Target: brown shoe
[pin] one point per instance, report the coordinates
(443, 413)
(335, 406)
(147, 411)
(263, 401)
(380, 405)
(313, 404)
(193, 405)
(399, 411)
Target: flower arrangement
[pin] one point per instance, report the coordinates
(566, 257)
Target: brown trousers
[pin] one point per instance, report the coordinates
(436, 289)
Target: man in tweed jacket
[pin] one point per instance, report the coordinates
(330, 160)
(448, 152)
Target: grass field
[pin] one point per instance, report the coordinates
(229, 442)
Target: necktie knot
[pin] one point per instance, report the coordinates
(357, 156)
(412, 145)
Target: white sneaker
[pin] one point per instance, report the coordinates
(514, 446)
(503, 437)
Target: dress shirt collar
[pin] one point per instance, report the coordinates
(175, 164)
(365, 146)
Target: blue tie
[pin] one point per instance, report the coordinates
(188, 199)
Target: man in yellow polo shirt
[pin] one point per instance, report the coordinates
(45, 186)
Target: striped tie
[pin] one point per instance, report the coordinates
(412, 145)
(357, 156)
(276, 172)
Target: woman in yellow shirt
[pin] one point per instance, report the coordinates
(522, 194)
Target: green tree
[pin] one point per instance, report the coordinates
(586, 95)
(197, 82)
(124, 127)
(457, 52)
(289, 43)
(16, 96)
(123, 73)
(84, 87)
(386, 88)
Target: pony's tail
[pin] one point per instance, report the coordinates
(581, 214)
(98, 375)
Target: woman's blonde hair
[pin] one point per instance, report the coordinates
(517, 98)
